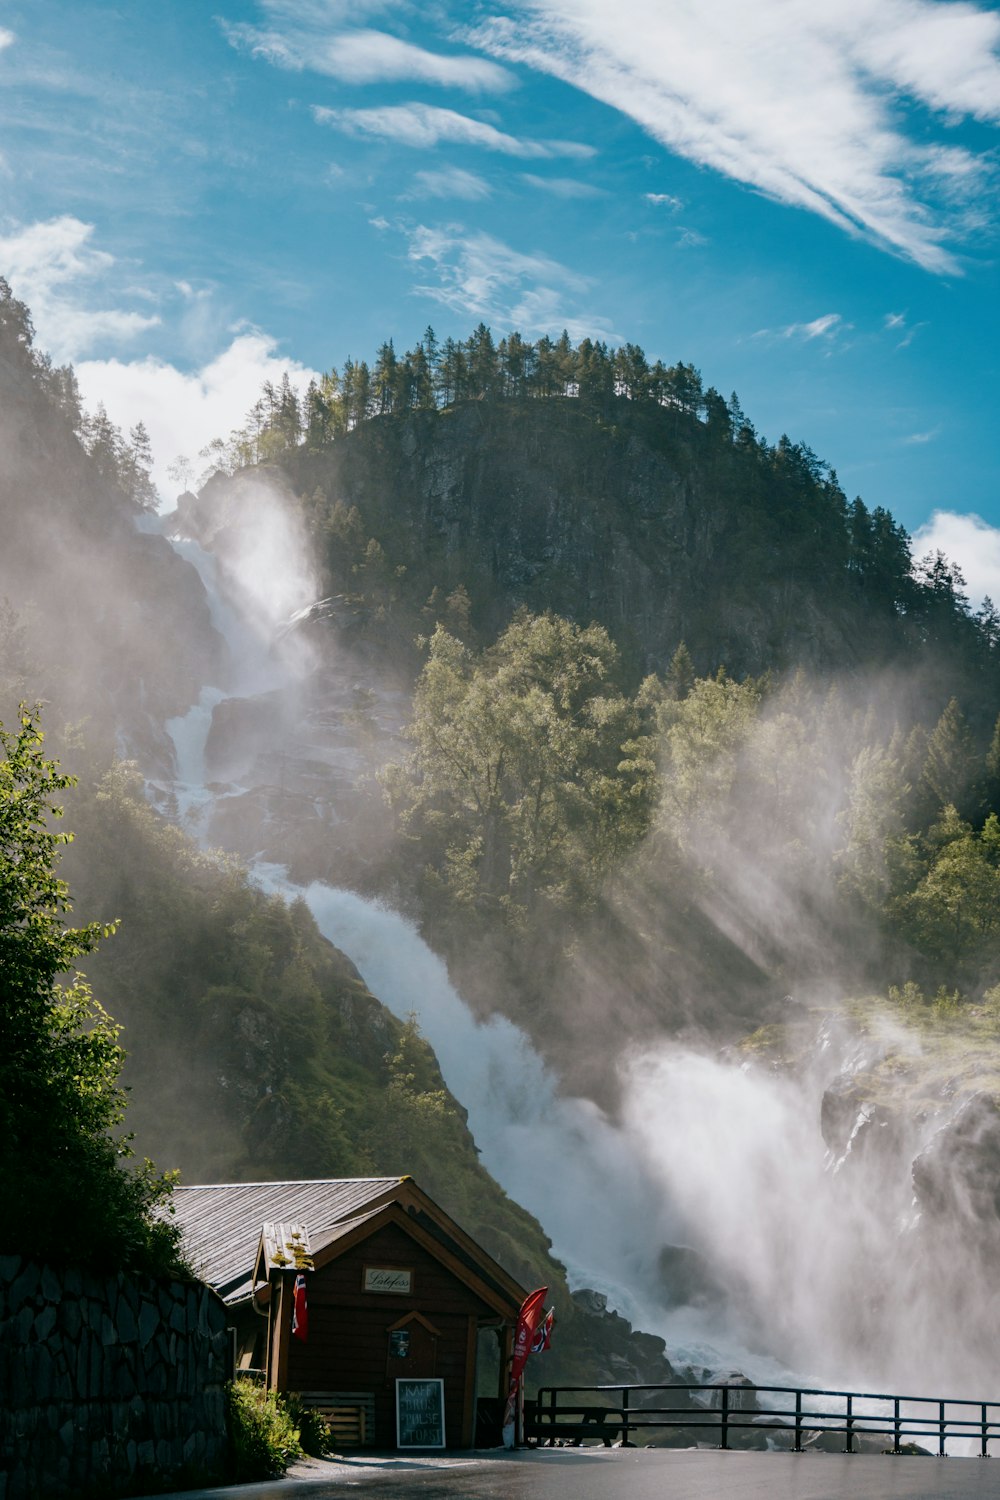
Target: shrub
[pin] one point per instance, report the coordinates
(314, 1431)
(262, 1432)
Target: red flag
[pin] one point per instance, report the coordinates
(300, 1311)
(528, 1319)
(543, 1333)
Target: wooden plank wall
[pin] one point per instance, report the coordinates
(347, 1347)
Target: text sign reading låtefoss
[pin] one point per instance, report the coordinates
(392, 1279)
(420, 1413)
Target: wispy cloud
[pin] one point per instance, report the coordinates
(7, 38)
(972, 543)
(562, 187)
(897, 323)
(480, 276)
(804, 102)
(828, 327)
(316, 14)
(426, 125)
(918, 439)
(49, 265)
(664, 200)
(365, 56)
(450, 182)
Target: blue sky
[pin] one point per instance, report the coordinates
(800, 199)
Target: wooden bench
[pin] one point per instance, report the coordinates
(574, 1424)
(350, 1415)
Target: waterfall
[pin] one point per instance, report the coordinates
(825, 1274)
(557, 1156)
(551, 1154)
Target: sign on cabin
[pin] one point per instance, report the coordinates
(420, 1413)
(393, 1279)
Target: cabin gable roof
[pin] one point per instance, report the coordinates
(223, 1231)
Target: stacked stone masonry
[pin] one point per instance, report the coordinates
(111, 1385)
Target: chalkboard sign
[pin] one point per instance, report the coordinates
(420, 1413)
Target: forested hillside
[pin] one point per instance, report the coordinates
(690, 728)
(651, 729)
(458, 482)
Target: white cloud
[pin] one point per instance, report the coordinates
(7, 38)
(562, 187)
(427, 125)
(315, 14)
(918, 439)
(800, 100)
(664, 200)
(826, 327)
(896, 323)
(46, 263)
(450, 182)
(969, 541)
(364, 56)
(481, 277)
(184, 410)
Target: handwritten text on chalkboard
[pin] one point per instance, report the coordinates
(420, 1413)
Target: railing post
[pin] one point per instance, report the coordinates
(798, 1421)
(625, 1424)
(849, 1427)
(724, 1418)
(895, 1425)
(940, 1429)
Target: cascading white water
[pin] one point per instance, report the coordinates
(725, 1159)
(546, 1150)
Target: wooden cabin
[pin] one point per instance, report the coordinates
(403, 1307)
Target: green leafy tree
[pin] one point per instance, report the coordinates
(63, 1183)
(529, 773)
(872, 819)
(953, 913)
(703, 737)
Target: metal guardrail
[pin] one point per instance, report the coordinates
(629, 1410)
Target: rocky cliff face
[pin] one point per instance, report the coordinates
(641, 525)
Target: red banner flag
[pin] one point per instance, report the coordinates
(300, 1310)
(528, 1319)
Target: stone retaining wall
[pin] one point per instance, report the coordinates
(109, 1385)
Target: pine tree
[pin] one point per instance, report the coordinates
(680, 675)
(951, 766)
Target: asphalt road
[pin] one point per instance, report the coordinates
(623, 1474)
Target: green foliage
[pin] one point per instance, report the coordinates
(63, 1181)
(313, 1429)
(953, 911)
(263, 1434)
(530, 775)
(290, 1067)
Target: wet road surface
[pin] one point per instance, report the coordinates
(623, 1474)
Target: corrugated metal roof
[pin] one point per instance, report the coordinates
(221, 1224)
